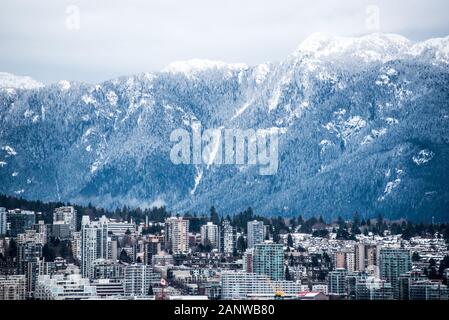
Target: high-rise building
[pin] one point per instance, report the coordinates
(366, 255)
(3, 214)
(32, 236)
(76, 245)
(12, 287)
(27, 252)
(94, 244)
(248, 261)
(209, 234)
(42, 229)
(107, 269)
(337, 282)
(373, 289)
(428, 290)
(65, 215)
(151, 247)
(60, 230)
(34, 270)
(269, 260)
(138, 278)
(352, 279)
(345, 259)
(177, 234)
(255, 233)
(227, 237)
(406, 280)
(394, 262)
(20, 221)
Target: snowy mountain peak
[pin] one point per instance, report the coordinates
(373, 47)
(11, 81)
(321, 41)
(64, 85)
(434, 49)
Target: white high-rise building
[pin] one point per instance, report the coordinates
(94, 243)
(177, 234)
(227, 237)
(3, 213)
(66, 215)
(255, 233)
(209, 234)
(76, 245)
(138, 278)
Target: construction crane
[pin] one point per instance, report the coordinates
(279, 293)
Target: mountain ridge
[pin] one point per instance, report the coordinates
(344, 111)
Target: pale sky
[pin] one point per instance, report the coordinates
(41, 38)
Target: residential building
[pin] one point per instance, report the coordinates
(64, 287)
(248, 261)
(76, 245)
(177, 235)
(109, 288)
(209, 235)
(152, 247)
(428, 290)
(65, 215)
(394, 262)
(243, 286)
(138, 278)
(107, 269)
(337, 282)
(374, 289)
(255, 233)
(227, 237)
(27, 252)
(19, 221)
(345, 259)
(365, 255)
(3, 219)
(269, 260)
(121, 228)
(94, 244)
(12, 287)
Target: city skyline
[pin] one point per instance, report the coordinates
(153, 256)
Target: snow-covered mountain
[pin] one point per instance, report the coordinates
(9, 81)
(365, 127)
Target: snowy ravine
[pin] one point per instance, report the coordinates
(364, 122)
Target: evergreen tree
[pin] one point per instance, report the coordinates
(288, 276)
(124, 257)
(290, 241)
(241, 244)
(214, 217)
(12, 249)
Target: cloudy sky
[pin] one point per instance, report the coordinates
(93, 41)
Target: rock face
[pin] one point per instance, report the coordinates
(364, 122)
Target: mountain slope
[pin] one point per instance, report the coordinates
(364, 122)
